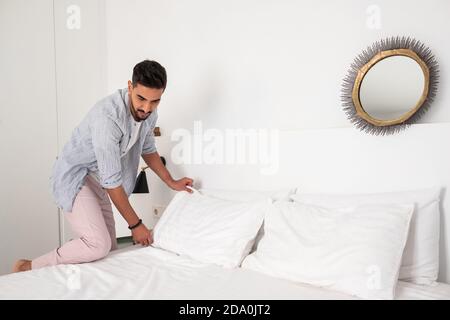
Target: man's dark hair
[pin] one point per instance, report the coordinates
(150, 74)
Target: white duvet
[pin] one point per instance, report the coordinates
(149, 273)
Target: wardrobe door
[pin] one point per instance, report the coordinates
(80, 54)
(28, 131)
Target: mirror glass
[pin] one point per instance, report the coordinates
(392, 87)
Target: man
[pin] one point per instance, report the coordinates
(100, 163)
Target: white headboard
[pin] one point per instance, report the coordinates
(340, 160)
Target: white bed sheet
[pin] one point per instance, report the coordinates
(149, 273)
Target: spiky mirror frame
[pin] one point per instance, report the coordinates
(393, 46)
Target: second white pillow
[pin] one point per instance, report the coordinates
(355, 250)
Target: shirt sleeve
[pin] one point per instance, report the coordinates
(149, 142)
(106, 136)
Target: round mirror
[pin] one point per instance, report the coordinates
(392, 87)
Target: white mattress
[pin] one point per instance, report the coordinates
(150, 273)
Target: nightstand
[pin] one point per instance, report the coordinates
(124, 242)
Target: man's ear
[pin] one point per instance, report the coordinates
(130, 87)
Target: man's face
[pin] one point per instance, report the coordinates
(144, 100)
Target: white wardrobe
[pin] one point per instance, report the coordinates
(51, 73)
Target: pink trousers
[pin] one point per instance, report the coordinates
(92, 221)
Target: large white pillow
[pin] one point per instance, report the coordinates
(420, 262)
(355, 250)
(208, 229)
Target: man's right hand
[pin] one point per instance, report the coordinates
(120, 199)
(142, 235)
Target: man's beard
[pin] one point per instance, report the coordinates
(142, 115)
(137, 114)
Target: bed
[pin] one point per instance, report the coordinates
(339, 165)
(151, 273)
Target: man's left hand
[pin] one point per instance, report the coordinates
(181, 185)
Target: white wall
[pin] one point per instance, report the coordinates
(253, 63)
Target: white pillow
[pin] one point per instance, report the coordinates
(355, 250)
(420, 262)
(209, 230)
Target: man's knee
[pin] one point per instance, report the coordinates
(98, 248)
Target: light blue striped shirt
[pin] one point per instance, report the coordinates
(99, 146)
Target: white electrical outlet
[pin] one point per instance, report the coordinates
(158, 211)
